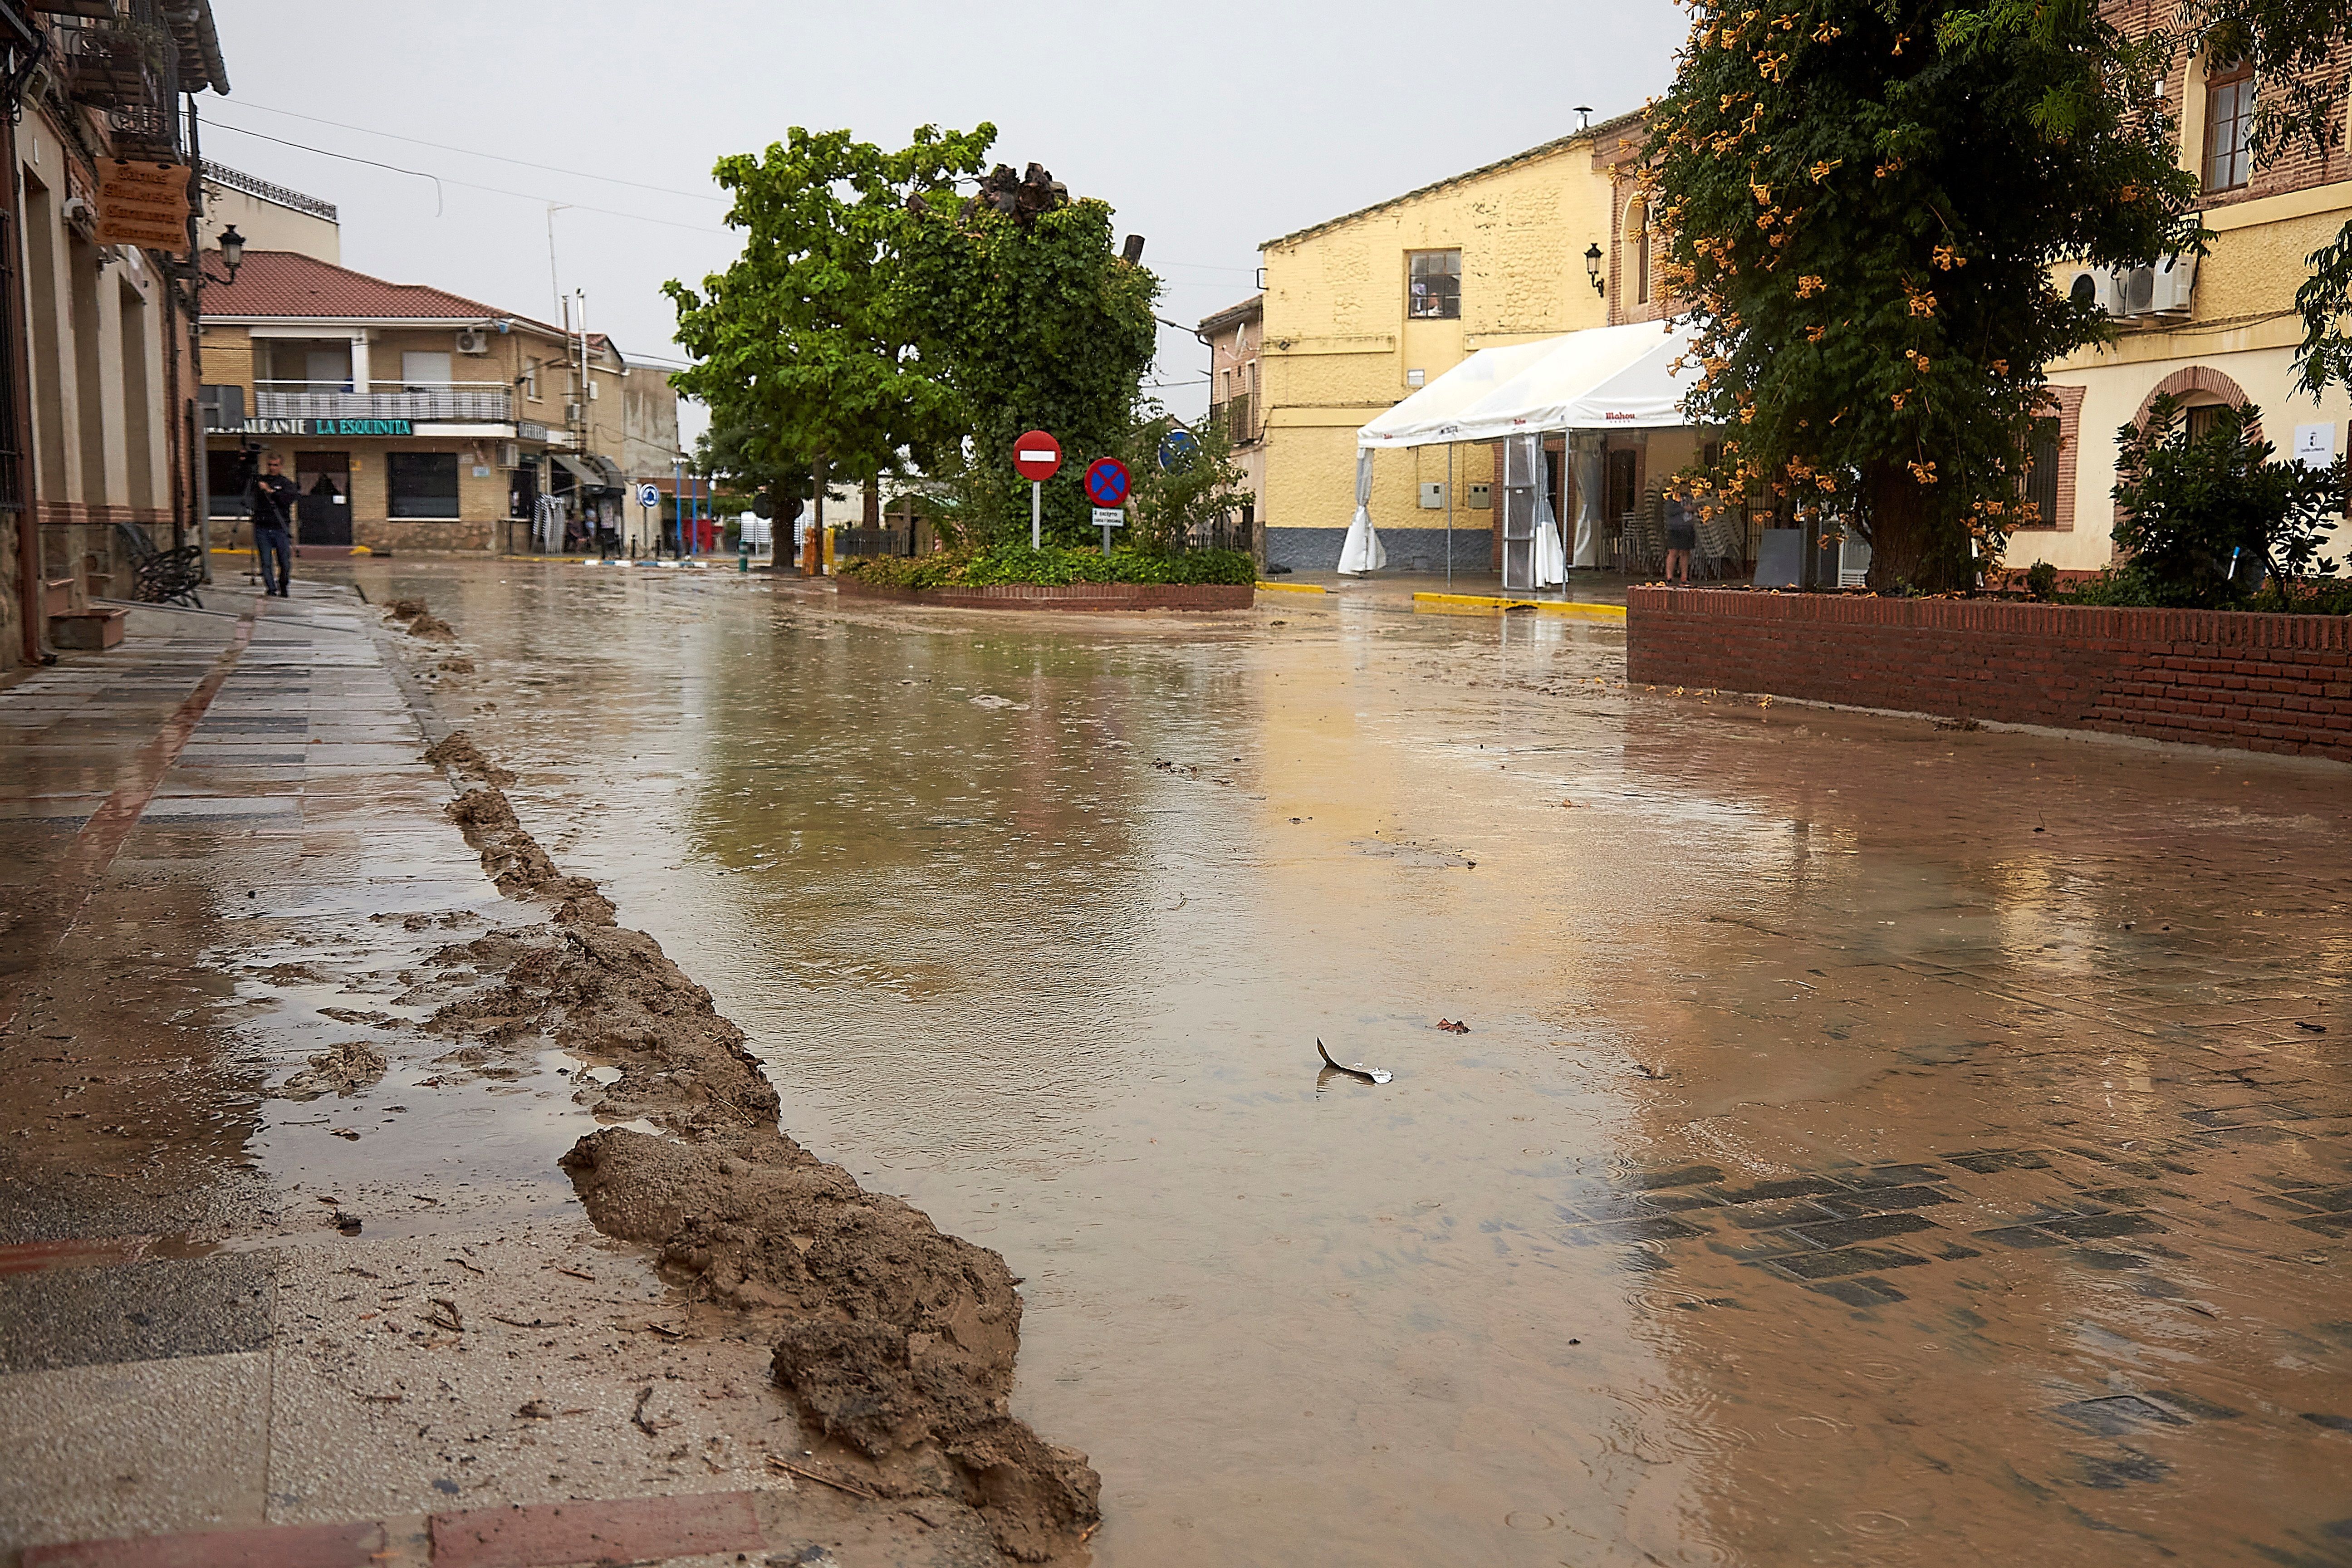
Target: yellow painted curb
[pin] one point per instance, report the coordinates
(1291, 588)
(1546, 607)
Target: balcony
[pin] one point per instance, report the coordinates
(471, 401)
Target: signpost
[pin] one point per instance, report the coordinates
(648, 498)
(1108, 486)
(1036, 456)
(1176, 449)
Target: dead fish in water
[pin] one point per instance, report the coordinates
(1370, 1075)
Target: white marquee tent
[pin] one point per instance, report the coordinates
(1604, 378)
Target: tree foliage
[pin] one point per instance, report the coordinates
(1862, 201)
(1036, 323)
(877, 321)
(2205, 515)
(1171, 504)
(804, 345)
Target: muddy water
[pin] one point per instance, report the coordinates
(1872, 1144)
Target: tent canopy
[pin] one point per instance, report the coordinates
(1604, 378)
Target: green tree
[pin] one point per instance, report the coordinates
(1862, 200)
(803, 342)
(731, 452)
(1170, 503)
(1036, 323)
(2206, 514)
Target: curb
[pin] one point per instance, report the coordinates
(1291, 588)
(1576, 608)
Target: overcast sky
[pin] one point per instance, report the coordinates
(1210, 127)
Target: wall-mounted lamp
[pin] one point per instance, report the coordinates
(232, 249)
(1592, 265)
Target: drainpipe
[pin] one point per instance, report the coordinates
(31, 609)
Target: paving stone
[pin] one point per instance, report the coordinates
(1870, 1228)
(1851, 1260)
(2104, 1225)
(1896, 1176)
(2116, 1414)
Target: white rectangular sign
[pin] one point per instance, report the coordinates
(1034, 456)
(2315, 445)
(1109, 517)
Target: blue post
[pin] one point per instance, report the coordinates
(677, 491)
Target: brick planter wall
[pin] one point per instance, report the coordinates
(1071, 596)
(2259, 683)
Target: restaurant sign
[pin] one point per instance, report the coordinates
(258, 427)
(144, 204)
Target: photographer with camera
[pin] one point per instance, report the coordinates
(270, 498)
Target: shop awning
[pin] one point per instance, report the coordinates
(576, 469)
(1604, 378)
(609, 473)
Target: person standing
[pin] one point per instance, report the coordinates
(1682, 536)
(271, 500)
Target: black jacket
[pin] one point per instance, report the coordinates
(271, 501)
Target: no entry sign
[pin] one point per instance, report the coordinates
(1037, 456)
(1107, 482)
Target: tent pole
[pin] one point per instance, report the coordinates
(1449, 516)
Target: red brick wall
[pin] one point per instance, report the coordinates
(2259, 683)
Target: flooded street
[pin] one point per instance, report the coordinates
(1872, 1144)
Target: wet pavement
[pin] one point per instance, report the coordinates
(276, 1253)
(1872, 1144)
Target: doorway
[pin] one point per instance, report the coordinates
(325, 480)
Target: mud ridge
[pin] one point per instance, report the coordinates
(893, 1336)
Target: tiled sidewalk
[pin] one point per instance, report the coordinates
(367, 1327)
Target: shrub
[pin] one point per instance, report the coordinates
(2206, 516)
(1054, 566)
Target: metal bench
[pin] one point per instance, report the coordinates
(162, 576)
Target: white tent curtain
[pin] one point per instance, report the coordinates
(1363, 551)
(1551, 560)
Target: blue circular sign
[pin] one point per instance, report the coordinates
(1107, 482)
(1176, 449)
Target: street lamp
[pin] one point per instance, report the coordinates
(1592, 265)
(232, 249)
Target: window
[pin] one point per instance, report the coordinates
(423, 484)
(1637, 218)
(2038, 485)
(2228, 126)
(530, 382)
(2201, 419)
(1436, 291)
(225, 479)
(419, 369)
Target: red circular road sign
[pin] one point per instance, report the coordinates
(1037, 456)
(1107, 482)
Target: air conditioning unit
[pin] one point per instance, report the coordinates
(2090, 286)
(571, 414)
(470, 342)
(2136, 290)
(509, 456)
(2176, 277)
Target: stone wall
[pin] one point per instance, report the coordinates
(2254, 682)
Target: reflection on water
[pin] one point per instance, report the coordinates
(1872, 1144)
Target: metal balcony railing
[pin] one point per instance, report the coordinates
(484, 401)
(125, 63)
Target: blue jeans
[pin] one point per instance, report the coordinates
(275, 544)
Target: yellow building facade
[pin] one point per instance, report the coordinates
(1361, 310)
(2226, 335)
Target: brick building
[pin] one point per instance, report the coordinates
(98, 456)
(2219, 330)
(416, 419)
(1236, 336)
